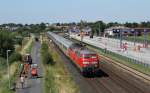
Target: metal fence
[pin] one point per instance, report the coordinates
(127, 59)
(120, 57)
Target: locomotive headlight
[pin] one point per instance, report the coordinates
(94, 62)
(85, 62)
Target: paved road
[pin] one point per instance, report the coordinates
(34, 85)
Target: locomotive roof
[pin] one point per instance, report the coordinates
(82, 49)
(76, 45)
(85, 51)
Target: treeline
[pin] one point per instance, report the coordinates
(24, 29)
(7, 42)
(100, 26)
(97, 27)
(110, 24)
(12, 34)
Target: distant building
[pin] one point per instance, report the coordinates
(115, 31)
(141, 31)
(74, 29)
(77, 30)
(87, 30)
(11, 28)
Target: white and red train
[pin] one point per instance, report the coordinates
(85, 59)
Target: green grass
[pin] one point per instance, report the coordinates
(2, 63)
(50, 84)
(29, 49)
(25, 41)
(139, 39)
(4, 86)
(57, 79)
(4, 80)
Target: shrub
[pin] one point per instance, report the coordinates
(2, 63)
(46, 56)
(15, 57)
(6, 42)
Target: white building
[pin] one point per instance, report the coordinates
(113, 31)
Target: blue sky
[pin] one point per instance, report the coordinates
(36, 11)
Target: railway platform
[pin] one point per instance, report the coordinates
(136, 52)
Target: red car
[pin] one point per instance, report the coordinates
(34, 70)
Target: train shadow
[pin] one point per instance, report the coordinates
(101, 73)
(98, 74)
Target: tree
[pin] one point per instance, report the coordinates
(128, 24)
(6, 42)
(111, 24)
(134, 25)
(98, 27)
(42, 27)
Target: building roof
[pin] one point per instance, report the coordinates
(117, 27)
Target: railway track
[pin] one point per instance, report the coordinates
(104, 83)
(124, 83)
(90, 83)
(142, 76)
(145, 77)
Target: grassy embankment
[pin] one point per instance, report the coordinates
(56, 77)
(27, 45)
(139, 39)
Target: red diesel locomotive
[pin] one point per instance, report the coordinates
(85, 59)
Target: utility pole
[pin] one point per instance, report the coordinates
(145, 38)
(134, 36)
(99, 29)
(81, 32)
(120, 38)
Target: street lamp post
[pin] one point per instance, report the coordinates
(145, 38)
(8, 67)
(99, 30)
(134, 36)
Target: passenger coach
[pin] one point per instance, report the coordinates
(85, 59)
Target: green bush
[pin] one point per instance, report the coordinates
(18, 40)
(46, 56)
(44, 47)
(2, 63)
(6, 42)
(15, 57)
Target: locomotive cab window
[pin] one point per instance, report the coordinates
(89, 56)
(86, 56)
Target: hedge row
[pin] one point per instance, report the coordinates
(46, 56)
